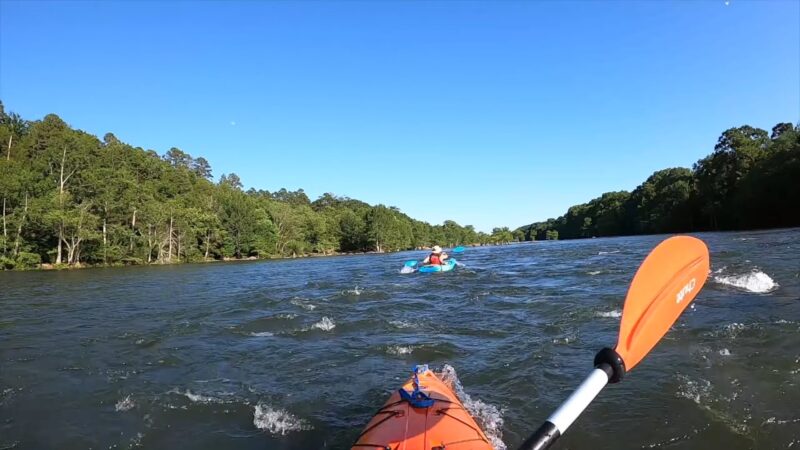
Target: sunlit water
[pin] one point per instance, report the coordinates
(299, 354)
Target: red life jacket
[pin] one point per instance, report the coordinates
(435, 259)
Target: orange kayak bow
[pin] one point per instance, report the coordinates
(425, 414)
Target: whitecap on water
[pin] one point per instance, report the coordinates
(399, 350)
(595, 272)
(136, 441)
(698, 391)
(400, 324)
(776, 421)
(564, 340)
(608, 253)
(198, 398)
(725, 352)
(277, 421)
(297, 301)
(325, 324)
(730, 330)
(489, 417)
(261, 334)
(6, 393)
(615, 314)
(755, 281)
(701, 392)
(125, 404)
(354, 291)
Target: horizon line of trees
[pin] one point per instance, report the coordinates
(751, 180)
(69, 198)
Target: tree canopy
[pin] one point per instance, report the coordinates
(70, 198)
(750, 180)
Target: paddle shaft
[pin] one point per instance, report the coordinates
(667, 281)
(566, 414)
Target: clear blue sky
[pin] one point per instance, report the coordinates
(497, 113)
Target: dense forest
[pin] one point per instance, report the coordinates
(751, 180)
(71, 199)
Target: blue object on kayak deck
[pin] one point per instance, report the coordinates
(417, 398)
(448, 265)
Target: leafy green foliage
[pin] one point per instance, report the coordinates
(751, 180)
(27, 260)
(68, 198)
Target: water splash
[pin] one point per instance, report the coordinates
(136, 441)
(297, 301)
(6, 394)
(126, 404)
(261, 334)
(754, 281)
(731, 330)
(615, 314)
(701, 392)
(400, 324)
(399, 350)
(198, 398)
(776, 421)
(489, 417)
(354, 291)
(277, 421)
(325, 324)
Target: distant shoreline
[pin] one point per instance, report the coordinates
(46, 267)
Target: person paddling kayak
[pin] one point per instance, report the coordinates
(436, 258)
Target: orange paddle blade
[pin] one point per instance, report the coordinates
(666, 282)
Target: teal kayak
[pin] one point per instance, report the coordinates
(446, 267)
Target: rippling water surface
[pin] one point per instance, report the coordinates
(299, 354)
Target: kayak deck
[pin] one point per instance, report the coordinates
(446, 267)
(445, 424)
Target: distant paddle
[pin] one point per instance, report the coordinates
(409, 267)
(666, 282)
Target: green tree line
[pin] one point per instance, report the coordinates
(70, 198)
(750, 180)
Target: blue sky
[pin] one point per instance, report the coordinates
(497, 113)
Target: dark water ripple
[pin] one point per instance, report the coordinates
(299, 354)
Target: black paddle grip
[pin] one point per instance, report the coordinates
(611, 363)
(543, 438)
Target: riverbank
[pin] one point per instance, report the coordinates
(139, 263)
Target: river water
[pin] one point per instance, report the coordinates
(298, 354)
